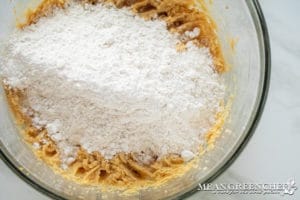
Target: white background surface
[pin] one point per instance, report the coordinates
(273, 153)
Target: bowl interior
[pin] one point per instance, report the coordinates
(238, 24)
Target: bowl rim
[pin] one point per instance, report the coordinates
(259, 19)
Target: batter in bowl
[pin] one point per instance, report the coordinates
(76, 154)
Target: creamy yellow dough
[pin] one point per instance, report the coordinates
(123, 169)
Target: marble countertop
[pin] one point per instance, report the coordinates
(272, 154)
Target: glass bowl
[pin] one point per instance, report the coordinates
(240, 23)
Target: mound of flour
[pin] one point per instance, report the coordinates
(109, 81)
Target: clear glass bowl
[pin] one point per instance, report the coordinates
(247, 80)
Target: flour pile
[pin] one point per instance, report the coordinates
(107, 80)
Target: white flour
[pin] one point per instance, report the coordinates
(109, 81)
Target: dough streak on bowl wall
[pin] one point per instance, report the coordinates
(102, 79)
